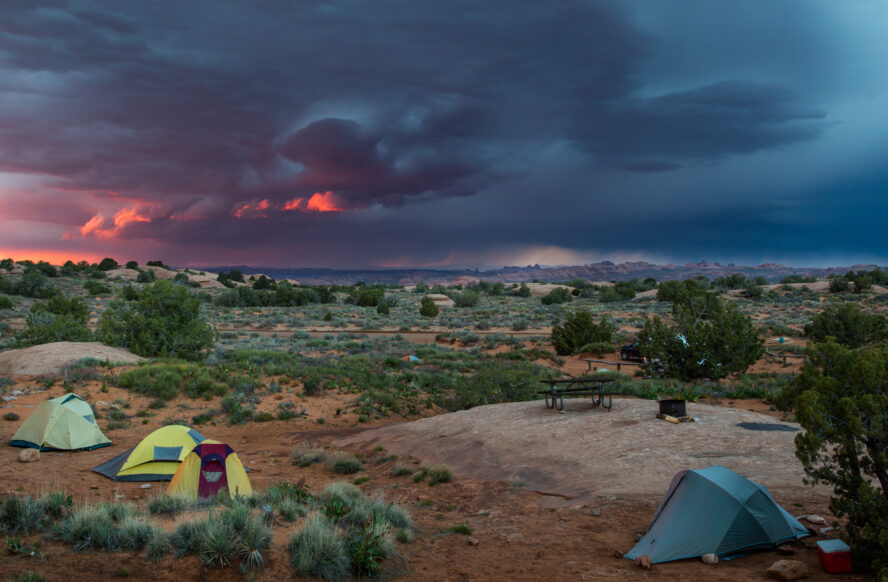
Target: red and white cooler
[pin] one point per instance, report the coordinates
(835, 556)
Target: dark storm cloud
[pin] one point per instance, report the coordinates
(190, 111)
(702, 124)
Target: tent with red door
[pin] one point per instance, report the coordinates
(209, 468)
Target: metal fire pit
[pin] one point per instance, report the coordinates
(673, 407)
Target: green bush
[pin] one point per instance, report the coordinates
(462, 528)
(468, 298)
(93, 287)
(164, 321)
(319, 550)
(343, 463)
(6, 302)
(440, 474)
(166, 505)
(695, 347)
(840, 399)
(160, 381)
(383, 308)
(557, 296)
(847, 325)
(11, 416)
(428, 308)
(58, 319)
(498, 381)
(578, 330)
(108, 264)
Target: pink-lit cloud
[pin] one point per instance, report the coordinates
(101, 227)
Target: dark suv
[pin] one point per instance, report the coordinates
(631, 352)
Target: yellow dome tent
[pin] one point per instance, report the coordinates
(66, 423)
(209, 468)
(156, 458)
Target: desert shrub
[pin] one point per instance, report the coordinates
(164, 321)
(523, 291)
(724, 343)
(798, 279)
(22, 515)
(838, 284)
(290, 510)
(145, 277)
(840, 399)
(383, 308)
(343, 463)
(11, 416)
(497, 381)
(108, 264)
(557, 296)
(134, 534)
(33, 284)
(156, 380)
(158, 545)
(90, 527)
(579, 330)
(462, 528)
(94, 287)
(468, 298)
(6, 302)
(318, 550)
(428, 308)
(303, 458)
(166, 505)
(847, 325)
(401, 470)
(58, 319)
(440, 474)
(369, 546)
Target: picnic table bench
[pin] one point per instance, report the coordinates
(589, 363)
(582, 386)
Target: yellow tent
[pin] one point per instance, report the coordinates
(209, 468)
(156, 458)
(65, 423)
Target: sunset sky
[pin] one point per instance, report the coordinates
(351, 133)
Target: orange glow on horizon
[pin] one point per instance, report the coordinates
(50, 256)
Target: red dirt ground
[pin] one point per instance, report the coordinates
(518, 537)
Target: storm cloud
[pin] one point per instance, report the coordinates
(360, 133)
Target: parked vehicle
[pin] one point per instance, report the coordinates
(631, 352)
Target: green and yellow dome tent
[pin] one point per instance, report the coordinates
(66, 423)
(155, 458)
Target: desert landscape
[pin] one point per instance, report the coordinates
(439, 415)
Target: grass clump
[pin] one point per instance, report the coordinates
(462, 528)
(166, 505)
(401, 470)
(305, 457)
(11, 416)
(91, 527)
(344, 463)
(440, 474)
(134, 534)
(319, 550)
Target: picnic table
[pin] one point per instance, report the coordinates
(581, 386)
